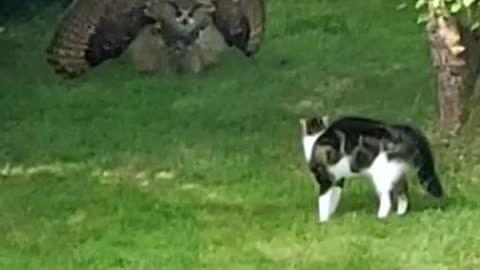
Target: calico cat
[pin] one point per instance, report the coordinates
(356, 145)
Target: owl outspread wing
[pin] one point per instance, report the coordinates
(93, 31)
(242, 23)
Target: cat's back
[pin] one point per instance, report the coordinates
(360, 126)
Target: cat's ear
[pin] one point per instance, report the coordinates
(322, 122)
(303, 126)
(325, 120)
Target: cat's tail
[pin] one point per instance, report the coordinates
(422, 159)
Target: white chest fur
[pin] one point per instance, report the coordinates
(341, 169)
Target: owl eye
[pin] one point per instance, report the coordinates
(178, 13)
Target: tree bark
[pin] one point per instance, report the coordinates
(455, 57)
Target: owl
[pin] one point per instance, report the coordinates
(186, 40)
(174, 35)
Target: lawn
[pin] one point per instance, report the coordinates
(118, 170)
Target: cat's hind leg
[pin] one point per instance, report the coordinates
(400, 195)
(385, 174)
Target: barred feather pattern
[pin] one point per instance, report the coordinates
(242, 23)
(254, 11)
(93, 31)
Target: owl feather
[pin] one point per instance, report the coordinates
(242, 23)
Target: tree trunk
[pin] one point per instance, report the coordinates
(455, 57)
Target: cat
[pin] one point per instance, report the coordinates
(353, 145)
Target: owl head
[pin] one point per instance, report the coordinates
(182, 19)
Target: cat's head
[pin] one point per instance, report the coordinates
(313, 125)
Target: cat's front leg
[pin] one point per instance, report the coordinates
(328, 199)
(400, 195)
(324, 205)
(336, 195)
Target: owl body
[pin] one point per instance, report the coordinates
(204, 52)
(151, 53)
(160, 35)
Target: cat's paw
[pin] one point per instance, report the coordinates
(402, 206)
(382, 215)
(323, 220)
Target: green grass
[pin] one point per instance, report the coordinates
(122, 171)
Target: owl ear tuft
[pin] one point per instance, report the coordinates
(207, 6)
